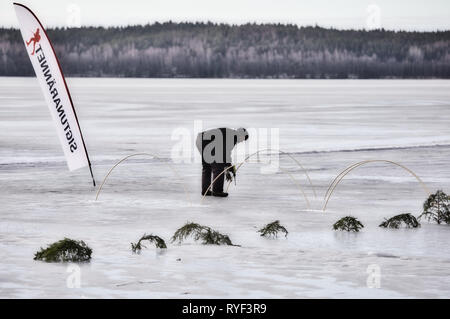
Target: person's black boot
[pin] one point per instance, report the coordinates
(221, 194)
(208, 193)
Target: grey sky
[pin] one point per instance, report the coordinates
(343, 14)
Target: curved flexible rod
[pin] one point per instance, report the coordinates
(284, 153)
(339, 175)
(354, 166)
(142, 154)
(290, 175)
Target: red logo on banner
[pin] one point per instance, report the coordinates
(35, 39)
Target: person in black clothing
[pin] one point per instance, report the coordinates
(215, 146)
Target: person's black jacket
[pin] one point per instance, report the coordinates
(216, 145)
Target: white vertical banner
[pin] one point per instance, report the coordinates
(54, 86)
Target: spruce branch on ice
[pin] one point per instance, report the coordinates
(185, 231)
(348, 223)
(159, 243)
(395, 222)
(207, 235)
(437, 208)
(66, 250)
(272, 230)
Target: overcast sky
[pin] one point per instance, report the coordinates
(344, 14)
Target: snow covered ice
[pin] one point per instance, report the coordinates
(326, 125)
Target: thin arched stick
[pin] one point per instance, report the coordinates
(354, 166)
(223, 172)
(339, 175)
(284, 153)
(142, 154)
(290, 175)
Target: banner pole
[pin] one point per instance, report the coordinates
(92, 174)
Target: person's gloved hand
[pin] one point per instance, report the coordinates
(230, 174)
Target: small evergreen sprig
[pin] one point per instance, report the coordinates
(395, 222)
(159, 243)
(272, 230)
(65, 250)
(207, 235)
(348, 223)
(437, 208)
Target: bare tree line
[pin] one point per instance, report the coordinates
(203, 50)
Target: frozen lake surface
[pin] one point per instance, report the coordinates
(325, 125)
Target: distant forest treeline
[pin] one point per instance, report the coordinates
(230, 51)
